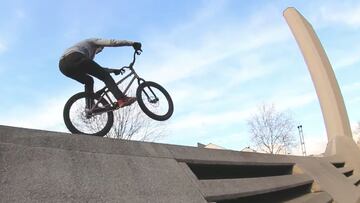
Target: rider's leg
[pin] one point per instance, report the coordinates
(94, 69)
(89, 90)
(88, 82)
(69, 66)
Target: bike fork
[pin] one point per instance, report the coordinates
(156, 99)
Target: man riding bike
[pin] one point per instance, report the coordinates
(77, 63)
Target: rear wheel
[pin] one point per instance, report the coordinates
(80, 121)
(154, 101)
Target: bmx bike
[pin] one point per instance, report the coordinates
(96, 117)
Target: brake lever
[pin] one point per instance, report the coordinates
(119, 71)
(122, 70)
(138, 52)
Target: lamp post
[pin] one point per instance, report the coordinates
(302, 140)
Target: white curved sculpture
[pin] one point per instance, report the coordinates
(322, 74)
(336, 120)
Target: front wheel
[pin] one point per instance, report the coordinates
(154, 101)
(78, 119)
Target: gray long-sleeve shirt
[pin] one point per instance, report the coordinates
(88, 47)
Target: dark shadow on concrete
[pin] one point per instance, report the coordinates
(215, 171)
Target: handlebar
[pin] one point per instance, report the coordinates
(136, 52)
(122, 70)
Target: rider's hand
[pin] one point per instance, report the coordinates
(119, 71)
(137, 45)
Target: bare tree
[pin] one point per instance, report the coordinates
(272, 131)
(131, 123)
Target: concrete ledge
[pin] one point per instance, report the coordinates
(354, 179)
(336, 161)
(345, 170)
(65, 141)
(215, 190)
(37, 174)
(82, 143)
(203, 155)
(318, 197)
(43, 166)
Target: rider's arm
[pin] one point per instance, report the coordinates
(109, 70)
(115, 71)
(112, 42)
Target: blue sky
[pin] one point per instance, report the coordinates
(218, 59)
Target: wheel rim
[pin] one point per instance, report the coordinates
(85, 123)
(155, 100)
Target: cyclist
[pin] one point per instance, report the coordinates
(77, 62)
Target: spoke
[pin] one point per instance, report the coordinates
(86, 124)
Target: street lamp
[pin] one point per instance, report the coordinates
(302, 140)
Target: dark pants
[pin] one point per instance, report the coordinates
(79, 68)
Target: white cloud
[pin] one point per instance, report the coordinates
(182, 64)
(355, 128)
(347, 60)
(314, 144)
(11, 28)
(232, 42)
(3, 47)
(204, 47)
(45, 115)
(352, 90)
(239, 43)
(20, 13)
(194, 94)
(340, 13)
(251, 66)
(354, 100)
(352, 87)
(285, 102)
(203, 120)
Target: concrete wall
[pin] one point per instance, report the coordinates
(41, 166)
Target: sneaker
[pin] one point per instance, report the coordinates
(126, 101)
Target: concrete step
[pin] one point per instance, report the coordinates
(347, 171)
(318, 197)
(225, 189)
(355, 179)
(336, 161)
(226, 157)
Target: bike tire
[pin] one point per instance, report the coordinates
(149, 88)
(69, 123)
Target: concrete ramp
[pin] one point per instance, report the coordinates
(42, 166)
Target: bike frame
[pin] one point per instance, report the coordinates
(104, 92)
